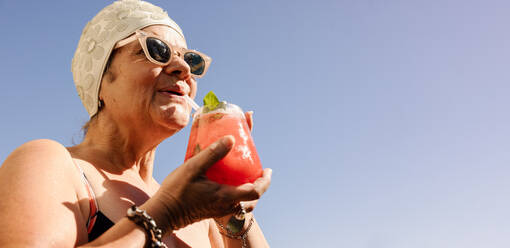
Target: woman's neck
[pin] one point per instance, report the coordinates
(116, 150)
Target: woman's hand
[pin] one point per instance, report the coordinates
(248, 206)
(187, 196)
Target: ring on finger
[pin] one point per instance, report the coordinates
(240, 211)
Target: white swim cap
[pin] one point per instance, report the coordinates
(112, 24)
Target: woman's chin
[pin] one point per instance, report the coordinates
(175, 116)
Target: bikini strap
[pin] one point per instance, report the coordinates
(94, 209)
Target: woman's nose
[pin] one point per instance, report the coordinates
(179, 68)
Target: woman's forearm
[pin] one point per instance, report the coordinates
(254, 237)
(125, 233)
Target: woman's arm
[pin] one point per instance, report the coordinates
(254, 236)
(40, 206)
(186, 196)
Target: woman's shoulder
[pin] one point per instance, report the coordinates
(35, 155)
(41, 173)
(40, 145)
(39, 167)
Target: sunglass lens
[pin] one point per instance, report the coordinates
(195, 62)
(158, 50)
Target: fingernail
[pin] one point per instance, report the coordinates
(228, 141)
(223, 144)
(250, 112)
(217, 145)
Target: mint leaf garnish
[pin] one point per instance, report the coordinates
(211, 101)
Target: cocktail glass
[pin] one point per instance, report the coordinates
(242, 164)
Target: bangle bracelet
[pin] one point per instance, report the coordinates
(141, 218)
(235, 235)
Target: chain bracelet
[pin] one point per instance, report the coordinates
(141, 218)
(242, 235)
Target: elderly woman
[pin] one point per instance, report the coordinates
(132, 70)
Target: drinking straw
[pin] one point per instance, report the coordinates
(192, 103)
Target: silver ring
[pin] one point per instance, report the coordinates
(241, 212)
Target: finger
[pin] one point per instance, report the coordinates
(249, 205)
(262, 183)
(199, 163)
(250, 191)
(249, 119)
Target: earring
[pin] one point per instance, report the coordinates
(100, 104)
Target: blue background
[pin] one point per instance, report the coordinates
(385, 122)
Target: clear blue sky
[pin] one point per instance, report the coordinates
(386, 123)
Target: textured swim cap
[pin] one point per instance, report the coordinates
(112, 24)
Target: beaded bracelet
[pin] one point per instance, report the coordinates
(141, 218)
(236, 235)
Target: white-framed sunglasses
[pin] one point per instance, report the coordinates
(160, 52)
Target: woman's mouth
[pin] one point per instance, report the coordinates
(173, 96)
(173, 92)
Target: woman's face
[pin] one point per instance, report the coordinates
(144, 95)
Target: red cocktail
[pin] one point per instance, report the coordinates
(242, 164)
